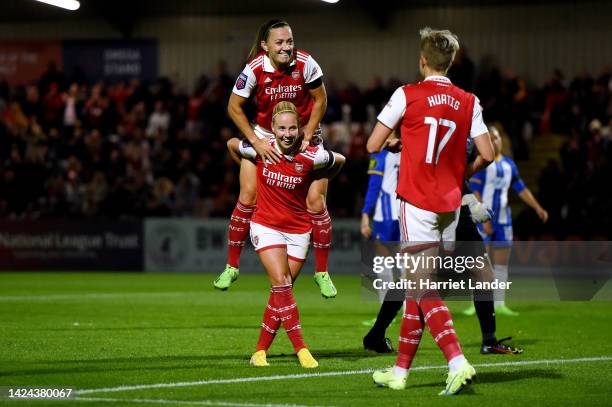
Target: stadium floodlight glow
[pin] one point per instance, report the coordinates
(331, 1)
(67, 4)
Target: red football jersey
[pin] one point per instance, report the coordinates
(271, 86)
(434, 129)
(282, 188)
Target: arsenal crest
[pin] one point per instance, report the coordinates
(299, 167)
(295, 74)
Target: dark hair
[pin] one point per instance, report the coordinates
(262, 35)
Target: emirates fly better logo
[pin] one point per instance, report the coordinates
(283, 92)
(276, 179)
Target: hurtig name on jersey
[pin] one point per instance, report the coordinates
(283, 91)
(277, 179)
(442, 99)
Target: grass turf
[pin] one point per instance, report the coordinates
(98, 330)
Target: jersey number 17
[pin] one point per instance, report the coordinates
(433, 131)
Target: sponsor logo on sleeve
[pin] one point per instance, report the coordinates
(241, 81)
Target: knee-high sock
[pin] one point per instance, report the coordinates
(411, 331)
(321, 238)
(483, 302)
(269, 325)
(289, 316)
(239, 226)
(501, 274)
(440, 323)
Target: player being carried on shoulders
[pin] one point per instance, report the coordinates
(280, 226)
(277, 71)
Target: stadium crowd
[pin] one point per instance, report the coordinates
(129, 150)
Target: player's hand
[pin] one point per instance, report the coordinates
(479, 211)
(304, 146)
(487, 228)
(542, 214)
(307, 135)
(266, 152)
(366, 230)
(394, 145)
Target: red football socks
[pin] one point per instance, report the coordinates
(321, 238)
(411, 331)
(238, 232)
(287, 312)
(440, 324)
(269, 325)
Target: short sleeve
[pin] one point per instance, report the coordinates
(323, 159)
(312, 70)
(478, 127)
(393, 112)
(247, 150)
(518, 185)
(245, 82)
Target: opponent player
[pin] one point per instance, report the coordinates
(381, 200)
(434, 118)
(492, 185)
(278, 71)
(280, 228)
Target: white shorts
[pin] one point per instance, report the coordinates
(264, 238)
(422, 227)
(260, 132)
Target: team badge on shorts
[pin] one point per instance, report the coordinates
(295, 74)
(299, 167)
(256, 240)
(241, 81)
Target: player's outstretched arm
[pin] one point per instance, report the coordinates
(377, 139)
(530, 200)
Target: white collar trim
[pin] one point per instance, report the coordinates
(267, 64)
(438, 78)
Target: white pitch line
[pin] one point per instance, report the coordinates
(94, 296)
(326, 374)
(185, 402)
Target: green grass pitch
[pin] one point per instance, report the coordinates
(107, 330)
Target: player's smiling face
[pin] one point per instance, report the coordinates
(285, 128)
(279, 46)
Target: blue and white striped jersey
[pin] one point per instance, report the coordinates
(493, 184)
(381, 197)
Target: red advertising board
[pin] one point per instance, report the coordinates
(22, 62)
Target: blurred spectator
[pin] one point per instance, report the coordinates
(132, 149)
